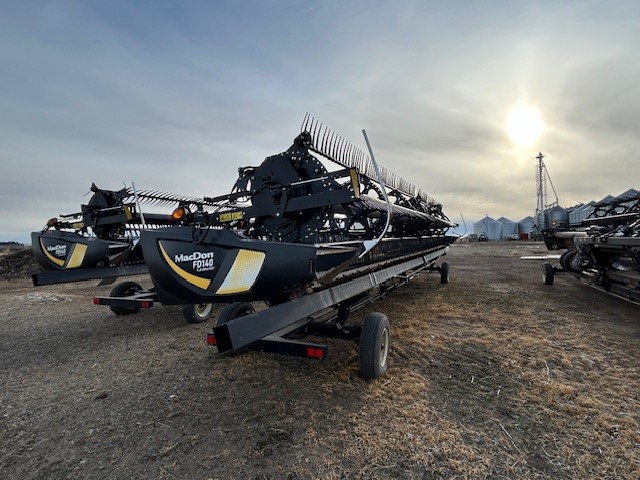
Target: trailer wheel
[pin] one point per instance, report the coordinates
(565, 260)
(124, 289)
(233, 311)
(197, 313)
(547, 274)
(444, 273)
(374, 346)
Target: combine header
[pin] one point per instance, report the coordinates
(102, 242)
(604, 251)
(315, 232)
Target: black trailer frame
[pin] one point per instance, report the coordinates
(281, 328)
(106, 275)
(129, 297)
(621, 284)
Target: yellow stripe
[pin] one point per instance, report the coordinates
(243, 272)
(55, 260)
(78, 252)
(355, 183)
(199, 282)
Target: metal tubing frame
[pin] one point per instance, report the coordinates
(147, 296)
(244, 331)
(54, 277)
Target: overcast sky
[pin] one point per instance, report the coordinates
(176, 95)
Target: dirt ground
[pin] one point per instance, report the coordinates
(491, 376)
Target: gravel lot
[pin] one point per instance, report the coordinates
(491, 376)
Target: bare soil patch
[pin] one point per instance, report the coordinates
(491, 376)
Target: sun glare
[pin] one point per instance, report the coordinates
(524, 125)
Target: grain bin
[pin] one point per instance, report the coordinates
(525, 227)
(489, 227)
(508, 228)
(577, 215)
(557, 216)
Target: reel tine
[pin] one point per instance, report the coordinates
(311, 130)
(343, 155)
(316, 132)
(323, 147)
(332, 145)
(340, 150)
(303, 127)
(318, 135)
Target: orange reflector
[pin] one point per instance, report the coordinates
(211, 339)
(146, 304)
(178, 213)
(96, 301)
(317, 353)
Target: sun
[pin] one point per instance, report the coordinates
(524, 125)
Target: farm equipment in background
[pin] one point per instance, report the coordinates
(102, 242)
(604, 251)
(315, 232)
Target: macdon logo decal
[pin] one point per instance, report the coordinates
(58, 250)
(200, 261)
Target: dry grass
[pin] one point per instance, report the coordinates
(491, 376)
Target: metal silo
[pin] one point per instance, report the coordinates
(508, 228)
(557, 216)
(580, 213)
(489, 227)
(525, 227)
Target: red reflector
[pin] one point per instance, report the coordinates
(211, 339)
(315, 353)
(96, 301)
(146, 304)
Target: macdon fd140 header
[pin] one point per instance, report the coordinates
(291, 226)
(315, 232)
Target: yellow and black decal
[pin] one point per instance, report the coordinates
(64, 254)
(243, 273)
(230, 216)
(196, 280)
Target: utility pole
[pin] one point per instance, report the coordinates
(542, 174)
(541, 185)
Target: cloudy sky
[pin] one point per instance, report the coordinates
(175, 95)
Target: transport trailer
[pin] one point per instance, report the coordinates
(129, 297)
(284, 327)
(310, 232)
(606, 255)
(610, 264)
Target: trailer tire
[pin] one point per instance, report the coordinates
(548, 273)
(444, 273)
(233, 311)
(565, 260)
(124, 289)
(197, 313)
(374, 346)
